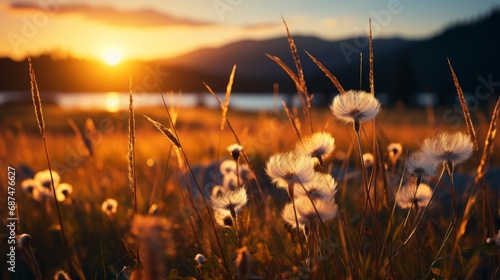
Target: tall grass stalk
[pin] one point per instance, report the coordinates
(483, 167)
(132, 170)
(304, 96)
(37, 103)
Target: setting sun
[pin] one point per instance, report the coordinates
(112, 57)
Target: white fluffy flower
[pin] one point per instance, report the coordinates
(355, 106)
(231, 201)
(453, 148)
(420, 166)
(109, 206)
(319, 145)
(326, 208)
(323, 186)
(63, 191)
(44, 179)
(288, 168)
(408, 197)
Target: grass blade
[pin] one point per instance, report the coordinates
(332, 77)
(165, 131)
(371, 75)
(465, 108)
(225, 107)
(37, 103)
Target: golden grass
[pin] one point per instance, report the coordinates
(384, 242)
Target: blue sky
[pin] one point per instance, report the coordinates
(151, 29)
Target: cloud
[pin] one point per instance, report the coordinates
(111, 16)
(261, 26)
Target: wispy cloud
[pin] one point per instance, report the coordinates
(111, 15)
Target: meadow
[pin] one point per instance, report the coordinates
(261, 215)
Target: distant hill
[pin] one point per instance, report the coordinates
(402, 67)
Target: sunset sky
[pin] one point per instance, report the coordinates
(150, 29)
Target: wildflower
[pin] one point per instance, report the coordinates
(320, 145)
(33, 188)
(63, 191)
(495, 239)
(286, 169)
(44, 179)
(420, 166)
(452, 149)
(29, 185)
(235, 150)
(323, 186)
(355, 107)
(223, 218)
(288, 216)
(228, 166)
(200, 259)
(411, 195)
(109, 206)
(368, 159)
(231, 201)
(326, 208)
(395, 150)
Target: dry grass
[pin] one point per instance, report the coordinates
(103, 154)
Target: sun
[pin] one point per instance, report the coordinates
(112, 57)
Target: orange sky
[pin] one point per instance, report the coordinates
(153, 29)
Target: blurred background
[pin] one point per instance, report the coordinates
(80, 48)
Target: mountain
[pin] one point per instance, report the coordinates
(402, 67)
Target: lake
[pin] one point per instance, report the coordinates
(116, 101)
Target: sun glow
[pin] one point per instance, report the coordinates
(112, 102)
(112, 57)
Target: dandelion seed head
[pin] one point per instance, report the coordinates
(235, 150)
(355, 106)
(28, 185)
(322, 186)
(109, 206)
(407, 196)
(326, 208)
(288, 216)
(290, 168)
(63, 191)
(200, 259)
(448, 147)
(228, 166)
(43, 178)
(230, 201)
(368, 159)
(421, 166)
(223, 218)
(395, 150)
(319, 145)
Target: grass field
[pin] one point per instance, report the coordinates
(271, 217)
